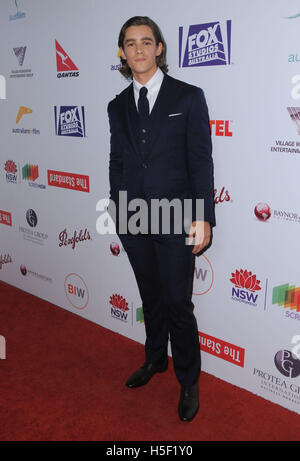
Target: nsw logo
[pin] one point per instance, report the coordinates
(69, 121)
(119, 307)
(206, 44)
(245, 287)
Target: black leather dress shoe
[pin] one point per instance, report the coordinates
(189, 402)
(145, 373)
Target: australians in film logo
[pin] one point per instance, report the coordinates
(288, 297)
(206, 44)
(23, 111)
(64, 64)
(119, 307)
(69, 121)
(246, 287)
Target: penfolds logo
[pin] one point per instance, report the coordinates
(222, 196)
(81, 236)
(5, 260)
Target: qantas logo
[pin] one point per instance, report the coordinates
(65, 65)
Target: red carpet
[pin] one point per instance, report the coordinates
(63, 379)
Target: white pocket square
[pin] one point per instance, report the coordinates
(174, 115)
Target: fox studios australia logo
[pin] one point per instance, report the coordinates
(69, 121)
(206, 44)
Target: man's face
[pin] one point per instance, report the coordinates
(140, 50)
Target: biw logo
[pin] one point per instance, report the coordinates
(76, 291)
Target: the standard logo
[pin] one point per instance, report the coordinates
(69, 121)
(5, 218)
(205, 44)
(76, 291)
(65, 65)
(222, 349)
(71, 181)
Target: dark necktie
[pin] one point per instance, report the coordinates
(143, 103)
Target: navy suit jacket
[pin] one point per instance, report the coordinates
(178, 162)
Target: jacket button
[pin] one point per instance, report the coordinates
(144, 165)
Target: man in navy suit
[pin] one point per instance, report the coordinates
(161, 150)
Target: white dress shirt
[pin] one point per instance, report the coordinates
(153, 86)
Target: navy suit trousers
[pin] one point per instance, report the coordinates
(164, 268)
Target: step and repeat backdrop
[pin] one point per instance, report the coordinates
(58, 71)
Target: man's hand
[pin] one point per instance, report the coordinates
(200, 230)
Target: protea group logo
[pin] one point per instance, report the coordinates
(245, 287)
(119, 307)
(206, 44)
(287, 364)
(262, 211)
(69, 121)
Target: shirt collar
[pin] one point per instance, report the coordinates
(153, 84)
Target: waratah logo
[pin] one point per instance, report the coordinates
(244, 279)
(69, 121)
(205, 45)
(245, 285)
(119, 307)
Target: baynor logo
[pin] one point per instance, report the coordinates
(69, 180)
(222, 349)
(206, 44)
